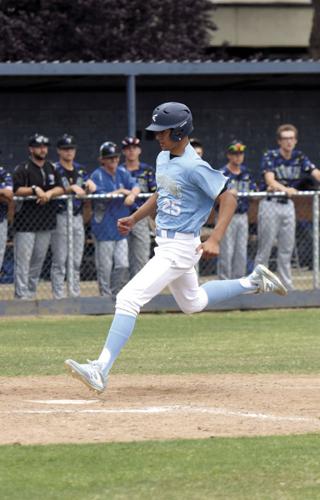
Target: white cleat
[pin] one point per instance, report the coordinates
(88, 373)
(267, 281)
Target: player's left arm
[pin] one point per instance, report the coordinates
(316, 174)
(227, 206)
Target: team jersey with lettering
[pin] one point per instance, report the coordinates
(5, 183)
(288, 172)
(107, 212)
(78, 176)
(187, 188)
(243, 183)
(145, 175)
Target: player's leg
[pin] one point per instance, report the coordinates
(268, 226)
(41, 245)
(226, 252)
(78, 249)
(59, 248)
(3, 239)
(23, 248)
(286, 240)
(121, 264)
(239, 261)
(104, 261)
(139, 247)
(155, 276)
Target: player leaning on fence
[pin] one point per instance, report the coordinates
(6, 195)
(75, 181)
(111, 248)
(187, 187)
(283, 169)
(34, 220)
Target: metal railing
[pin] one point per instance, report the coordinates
(304, 261)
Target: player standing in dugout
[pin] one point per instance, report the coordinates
(187, 188)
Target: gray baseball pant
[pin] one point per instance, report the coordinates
(139, 246)
(59, 247)
(232, 261)
(111, 258)
(3, 239)
(277, 225)
(30, 251)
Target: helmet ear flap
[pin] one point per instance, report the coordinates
(176, 134)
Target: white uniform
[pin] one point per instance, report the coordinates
(187, 187)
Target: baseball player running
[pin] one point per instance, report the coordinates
(187, 187)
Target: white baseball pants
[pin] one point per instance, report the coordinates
(173, 266)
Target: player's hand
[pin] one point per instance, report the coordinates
(78, 190)
(42, 196)
(90, 186)
(290, 191)
(209, 248)
(125, 225)
(129, 200)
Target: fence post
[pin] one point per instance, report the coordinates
(70, 243)
(315, 231)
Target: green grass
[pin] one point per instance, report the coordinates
(266, 468)
(230, 342)
(256, 468)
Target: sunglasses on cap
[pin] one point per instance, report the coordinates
(236, 148)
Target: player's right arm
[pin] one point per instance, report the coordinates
(148, 208)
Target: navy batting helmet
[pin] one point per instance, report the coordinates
(108, 150)
(172, 115)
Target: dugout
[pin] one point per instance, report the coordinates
(108, 100)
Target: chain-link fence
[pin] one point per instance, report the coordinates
(74, 259)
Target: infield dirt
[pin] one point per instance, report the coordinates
(42, 410)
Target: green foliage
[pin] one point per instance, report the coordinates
(229, 342)
(104, 30)
(266, 468)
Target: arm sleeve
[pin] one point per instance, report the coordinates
(19, 177)
(210, 181)
(267, 164)
(307, 165)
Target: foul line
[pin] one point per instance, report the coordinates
(154, 410)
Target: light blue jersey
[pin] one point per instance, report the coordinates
(187, 187)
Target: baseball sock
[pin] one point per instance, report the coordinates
(218, 291)
(121, 328)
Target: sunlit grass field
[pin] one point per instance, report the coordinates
(237, 468)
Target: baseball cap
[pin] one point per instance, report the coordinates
(130, 141)
(66, 141)
(109, 150)
(236, 147)
(37, 140)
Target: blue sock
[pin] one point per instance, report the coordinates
(218, 291)
(121, 328)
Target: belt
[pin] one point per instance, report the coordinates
(175, 235)
(283, 201)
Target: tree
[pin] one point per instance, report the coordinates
(315, 31)
(104, 29)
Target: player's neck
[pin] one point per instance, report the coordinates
(178, 149)
(67, 164)
(235, 169)
(286, 154)
(132, 165)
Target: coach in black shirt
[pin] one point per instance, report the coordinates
(34, 220)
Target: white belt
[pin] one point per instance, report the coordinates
(169, 233)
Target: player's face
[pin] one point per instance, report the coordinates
(236, 159)
(39, 153)
(110, 164)
(132, 152)
(67, 154)
(287, 141)
(199, 151)
(165, 141)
